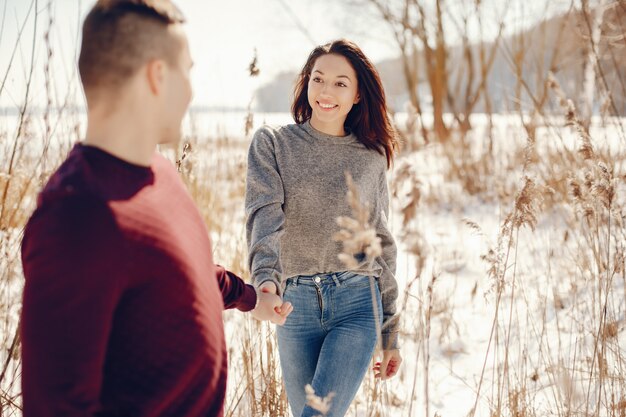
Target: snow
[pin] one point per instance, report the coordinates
(547, 313)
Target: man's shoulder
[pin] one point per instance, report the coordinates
(72, 180)
(70, 200)
(73, 214)
(72, 225)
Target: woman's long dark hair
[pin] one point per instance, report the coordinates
(368, 119)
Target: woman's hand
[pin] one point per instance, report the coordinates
(269, 286)
(389, 365)
(284, 309)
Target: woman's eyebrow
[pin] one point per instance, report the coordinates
(339, 76)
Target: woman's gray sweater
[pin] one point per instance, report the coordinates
(296, 189)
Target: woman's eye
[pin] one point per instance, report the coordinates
(317, 80)
(341, 85)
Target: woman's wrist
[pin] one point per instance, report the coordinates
(269, 286)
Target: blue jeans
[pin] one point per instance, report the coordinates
(329, 338)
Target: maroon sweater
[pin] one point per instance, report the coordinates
(123, 305)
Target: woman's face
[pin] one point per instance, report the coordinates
(332, 91)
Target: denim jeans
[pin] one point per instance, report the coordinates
(329, 338)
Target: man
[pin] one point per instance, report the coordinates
(122, 301)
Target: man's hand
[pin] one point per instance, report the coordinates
(270, 306)
(389, 365)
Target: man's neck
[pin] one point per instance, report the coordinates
(129, 140)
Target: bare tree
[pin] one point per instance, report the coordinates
(474, 88)
(408, 20)
(531, 48)
(425, 52)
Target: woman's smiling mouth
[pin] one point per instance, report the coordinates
(326, 106)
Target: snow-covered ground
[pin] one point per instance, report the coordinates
(547, 313)
(549, 308)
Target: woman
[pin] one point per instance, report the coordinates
(295, 191)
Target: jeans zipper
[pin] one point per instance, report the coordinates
(319, 297)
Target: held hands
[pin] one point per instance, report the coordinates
(389, 365)
(270, 306)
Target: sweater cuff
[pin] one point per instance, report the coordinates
(260, 279)
(248, 299)
(390, 341)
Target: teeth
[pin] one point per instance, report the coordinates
(326, 106)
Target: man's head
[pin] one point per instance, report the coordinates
(138, 48)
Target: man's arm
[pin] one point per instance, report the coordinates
(73, 268)
(263, 305)
(235, 292)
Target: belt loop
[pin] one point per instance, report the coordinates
(337, 283)
(296, 279)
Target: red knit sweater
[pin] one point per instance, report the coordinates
(123, 305)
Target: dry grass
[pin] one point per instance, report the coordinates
(585, 194)
(590, 198)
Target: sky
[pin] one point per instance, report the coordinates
(223, 37)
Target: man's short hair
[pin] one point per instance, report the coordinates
(119, 36)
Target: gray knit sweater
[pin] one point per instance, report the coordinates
(295, 191)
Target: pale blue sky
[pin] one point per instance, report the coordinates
(222, 36)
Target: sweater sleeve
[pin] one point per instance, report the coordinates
(264, 210)
(387, 281)
(235, 292)
(71, 254)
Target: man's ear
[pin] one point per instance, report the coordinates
(155, 73)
